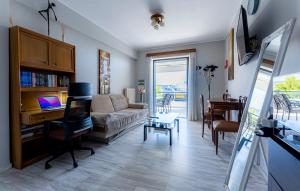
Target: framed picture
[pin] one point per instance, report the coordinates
(230, 55)
(104, 72)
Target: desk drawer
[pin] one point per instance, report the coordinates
(32, 118)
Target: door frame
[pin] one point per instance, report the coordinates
(185, 57)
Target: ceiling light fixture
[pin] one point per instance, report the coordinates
(157, 21)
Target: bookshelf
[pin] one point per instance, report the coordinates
(39, 66)
(45, 89)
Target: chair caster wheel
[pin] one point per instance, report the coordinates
(92, 152)
(75, 165)
(47, 166)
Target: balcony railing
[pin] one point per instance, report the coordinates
(178, 95)
(293, 94)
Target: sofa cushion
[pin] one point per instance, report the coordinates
(130, 115)
(117, 121)
(102, 104)
(119, 102)
(138, 105)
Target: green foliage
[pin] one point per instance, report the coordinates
(290, 83)
(159, 95)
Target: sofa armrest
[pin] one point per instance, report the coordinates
(138, 105)
(100, 119)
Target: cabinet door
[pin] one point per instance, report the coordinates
(63, 58)
(34, 51)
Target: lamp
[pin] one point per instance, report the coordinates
(208, 73)
(157, 21)
(80, 89)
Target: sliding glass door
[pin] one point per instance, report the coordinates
(170, 85)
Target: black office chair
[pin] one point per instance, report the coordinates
(77, 122)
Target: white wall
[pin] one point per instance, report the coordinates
(72, 19)
(123, 62)
(207, 54)
(122, 65)
(4, 86)
(271, 15)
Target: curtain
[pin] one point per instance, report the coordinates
(192, 88)
(149, 84)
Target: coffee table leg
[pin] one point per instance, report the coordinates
(170, 130)
(177, 121)
(145, 132)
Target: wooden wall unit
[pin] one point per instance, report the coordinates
(36, 53)
(41, 52)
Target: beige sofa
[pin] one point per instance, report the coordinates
(112, 115)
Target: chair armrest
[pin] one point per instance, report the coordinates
(138, 105)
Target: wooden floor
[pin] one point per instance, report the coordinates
(130, 164)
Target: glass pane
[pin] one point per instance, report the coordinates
(170, 89)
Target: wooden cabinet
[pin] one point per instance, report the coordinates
(39, 54)
(38, 51)
(34, 51)
(62, 57)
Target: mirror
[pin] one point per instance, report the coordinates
(270, 60)
(253, 113)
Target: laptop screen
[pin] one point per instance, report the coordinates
(47, 102)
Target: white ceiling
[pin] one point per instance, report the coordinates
(187, 21)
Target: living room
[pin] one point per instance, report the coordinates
(161, 78)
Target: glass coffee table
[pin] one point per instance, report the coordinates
(162, 122)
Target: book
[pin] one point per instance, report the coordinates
(26, 79)
(29, 79)
(27, 135)
(36, 79)
(63, 81)
(33, 79)
(22, 77)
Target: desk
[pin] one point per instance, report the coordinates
(39, 116)
(227, 105)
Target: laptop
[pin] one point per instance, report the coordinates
(49, 103)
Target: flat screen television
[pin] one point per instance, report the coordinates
(243, 40)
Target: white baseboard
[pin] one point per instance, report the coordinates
(5, 168)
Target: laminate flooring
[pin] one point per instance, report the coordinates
(129, 164)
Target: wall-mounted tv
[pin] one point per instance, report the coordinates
(243, 40)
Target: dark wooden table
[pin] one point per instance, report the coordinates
(230, 104)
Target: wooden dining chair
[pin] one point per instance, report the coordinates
(222, 126)
(206, 115)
